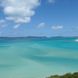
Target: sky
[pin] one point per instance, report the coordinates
(20, 18)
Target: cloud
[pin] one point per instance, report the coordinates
(41, 25)
(16, 26)
(19, 11)
(3, 23)
(57, 27)
(51, 1)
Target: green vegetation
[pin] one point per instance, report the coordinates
(68, 75)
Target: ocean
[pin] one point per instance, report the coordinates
(37, 58)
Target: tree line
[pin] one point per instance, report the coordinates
(68, 75)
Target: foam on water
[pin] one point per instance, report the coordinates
(76, 40)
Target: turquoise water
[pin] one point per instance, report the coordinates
(37, 58)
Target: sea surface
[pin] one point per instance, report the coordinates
(37, 58)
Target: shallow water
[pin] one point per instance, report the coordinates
(37, 58)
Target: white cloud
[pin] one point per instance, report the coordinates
(3, 23)
(19, 11)
(16, 26)
(51, 1)
(41, 25)
(57, 27)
